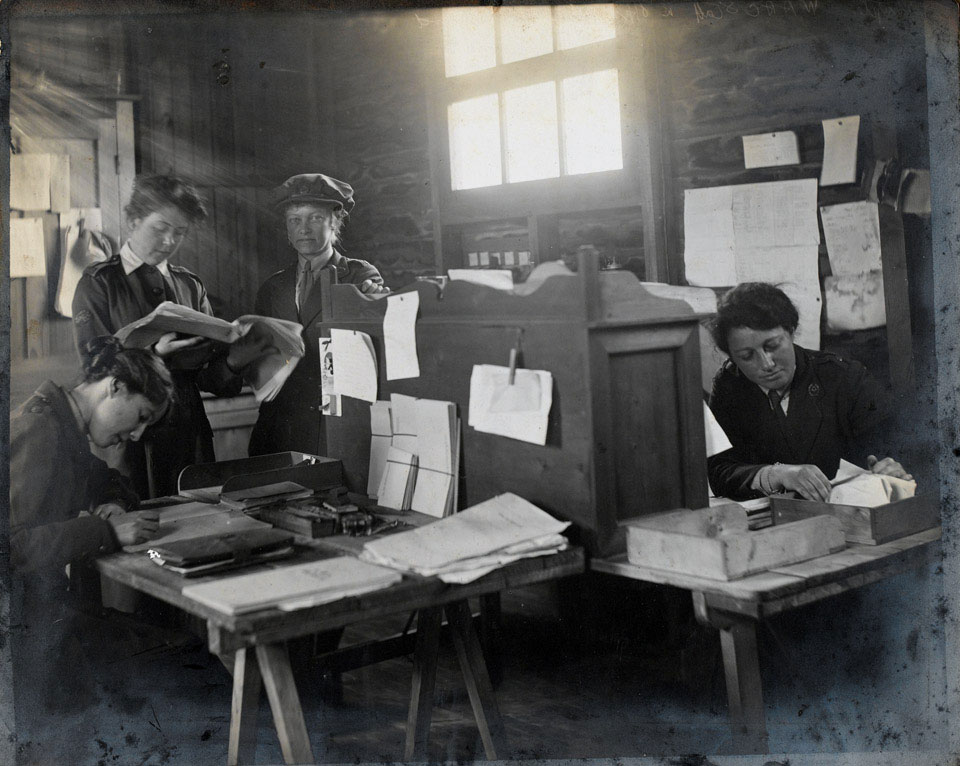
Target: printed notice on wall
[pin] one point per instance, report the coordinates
(770, 150)
(852, 231)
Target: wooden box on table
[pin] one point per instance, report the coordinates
(717, 543)
(625, 433)
(867, 526)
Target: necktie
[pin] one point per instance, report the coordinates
(304, 284)
(775, 398)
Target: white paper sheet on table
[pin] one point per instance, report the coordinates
(381, 433)
(489, 527)
(293, 587)
(840, 150)
(400, 336)
(852, 232)
(330, 403)
(765, 150)
(487, 381)
(855, 302)
(499, 279)
(717, 440)
(30, 181)
(27, 251)
(854, 485)
(356, 364)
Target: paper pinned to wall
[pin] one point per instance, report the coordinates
(27, 253)
(400, 336)
(840, 150)
(30, 181)
(499, 279)
(775, 214)
(487, 381)
(330, 403)
(770, 149)
(852, 231)
(717, 440)
(403, 416)
(356, 370)
(854, 302)
(709, 241)
(77, 253)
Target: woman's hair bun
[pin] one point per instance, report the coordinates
(99, 355)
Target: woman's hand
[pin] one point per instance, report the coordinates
(370, 287)
(255, 344)
(135, 528)
(108, 510)
(168, 344)
(888, 467)
(807, 480)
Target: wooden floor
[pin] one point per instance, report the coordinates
(603, 689)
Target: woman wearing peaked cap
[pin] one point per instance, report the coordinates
(313, 207)
(130, 285)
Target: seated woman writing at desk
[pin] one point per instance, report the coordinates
(790, 413)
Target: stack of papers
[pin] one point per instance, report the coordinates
(438, 450)
(399, 480)
(381, 435)
(470, 544)
(264, 494)
(293, 587)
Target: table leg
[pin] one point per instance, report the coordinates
(741, 665)
(475, 675)
(243, 711)
(424, 684)
(284, 703)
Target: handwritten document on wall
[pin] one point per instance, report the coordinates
(770, 149)
(852, 231)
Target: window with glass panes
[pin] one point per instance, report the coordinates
(533, 93)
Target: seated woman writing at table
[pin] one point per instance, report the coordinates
(790, 413)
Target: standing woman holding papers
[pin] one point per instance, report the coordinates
(130, 285)
(790, 413)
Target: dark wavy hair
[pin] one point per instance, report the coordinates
(757, 305)
(153, 192)
(141, 371)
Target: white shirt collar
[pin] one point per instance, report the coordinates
(131, 261)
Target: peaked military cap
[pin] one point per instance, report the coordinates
(308, 188)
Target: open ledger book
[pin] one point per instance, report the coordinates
(265, 375)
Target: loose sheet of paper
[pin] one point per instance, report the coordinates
(852, 231)
(709, 242)
(499, 279)
(487, 381)
(330, 403)
(73, 258)
(400, 336)
(356, 373)
(30, 181)
(855, 302)
(398, 481)
(840, 150)
(775, 214)
(27, 253)
(717, 440)
(381, 433)
(403, 415)
(770, 149)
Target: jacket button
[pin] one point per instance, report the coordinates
(158, 291)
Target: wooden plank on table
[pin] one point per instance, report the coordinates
(245, 704)
(284, 703)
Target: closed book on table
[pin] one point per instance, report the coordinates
(232, 546)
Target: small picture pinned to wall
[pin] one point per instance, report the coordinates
(473, 259)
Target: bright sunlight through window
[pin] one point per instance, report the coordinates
(547, 129)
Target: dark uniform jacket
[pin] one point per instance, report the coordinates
(292, 420)
(53, 477)
(106, 299)
(835, 410)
